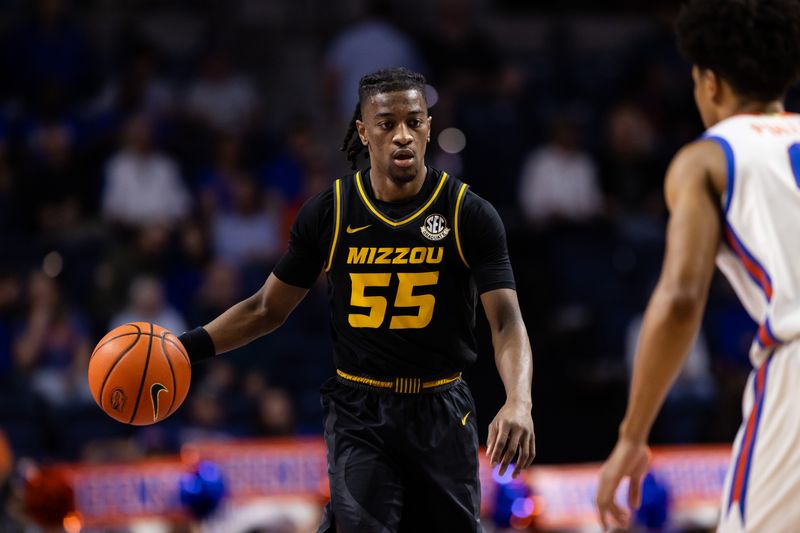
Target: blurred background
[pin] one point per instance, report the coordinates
(153, 155)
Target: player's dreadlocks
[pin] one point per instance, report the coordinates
(382, 81)
(753, 44)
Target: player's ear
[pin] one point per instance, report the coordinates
(697, 75)
(362, 132)
(712, 85)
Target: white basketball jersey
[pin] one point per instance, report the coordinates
(760, 254)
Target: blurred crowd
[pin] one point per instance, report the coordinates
(138, 182)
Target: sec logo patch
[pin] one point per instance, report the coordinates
(435, 227)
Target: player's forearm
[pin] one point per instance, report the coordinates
(241, 324)
(514, 361)
(670, 326)
(258, 315)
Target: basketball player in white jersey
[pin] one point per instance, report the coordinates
(734, 198)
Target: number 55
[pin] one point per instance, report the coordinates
(405, 297)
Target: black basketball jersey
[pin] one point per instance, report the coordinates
(402, 301)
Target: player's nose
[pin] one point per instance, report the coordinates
(402, 135)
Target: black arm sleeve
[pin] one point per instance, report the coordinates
(483, 239)
(309, 241)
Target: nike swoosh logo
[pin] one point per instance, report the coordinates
(155, 390)
(354, 230)
(464, 420)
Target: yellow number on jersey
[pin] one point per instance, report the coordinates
(405, 298)
(376, 304)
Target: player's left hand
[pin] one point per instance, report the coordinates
(628, 459)
(511, 432)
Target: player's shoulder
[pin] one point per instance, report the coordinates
(475, 202)
(324, 199)
(321, 204)
(319, 200)
(476, 210)
(699, 164)
(472, 201)
(706, 154)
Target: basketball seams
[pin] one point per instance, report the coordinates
(171, 371)
(97, 348)
(175, 343)
(140, 333)
(123, 354)
(180, 348)
(144, 375)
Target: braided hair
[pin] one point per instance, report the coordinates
(382, 81)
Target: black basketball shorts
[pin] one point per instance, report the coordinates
(401, 462)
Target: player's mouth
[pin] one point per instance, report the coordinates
(403, 158)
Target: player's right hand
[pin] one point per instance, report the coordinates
(628, 459)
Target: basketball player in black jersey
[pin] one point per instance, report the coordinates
(406, 250)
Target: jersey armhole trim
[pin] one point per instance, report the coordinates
(337, 202)
(731, 165)
(456, 218)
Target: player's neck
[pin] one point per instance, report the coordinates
(386, 189)
(756, 108)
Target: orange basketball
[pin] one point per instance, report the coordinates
(139, 373)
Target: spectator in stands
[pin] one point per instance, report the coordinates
(251, 230)
(298, 170)
(52, 344)
(185, 270)
(206, 417)
(54, 191)
(146, 253)
(254, 384)
(370, 44)
(142, 184)
(631, 173)
(146, 303)
(223, 100)
(215, 182)
(139, 87)
(493, 106)
(559, 181)
(221, 378)
(275, 414)
(221, 288)
(461, 55)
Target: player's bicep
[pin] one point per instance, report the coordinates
(695, 223)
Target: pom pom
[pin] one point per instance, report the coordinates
(202, 490)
